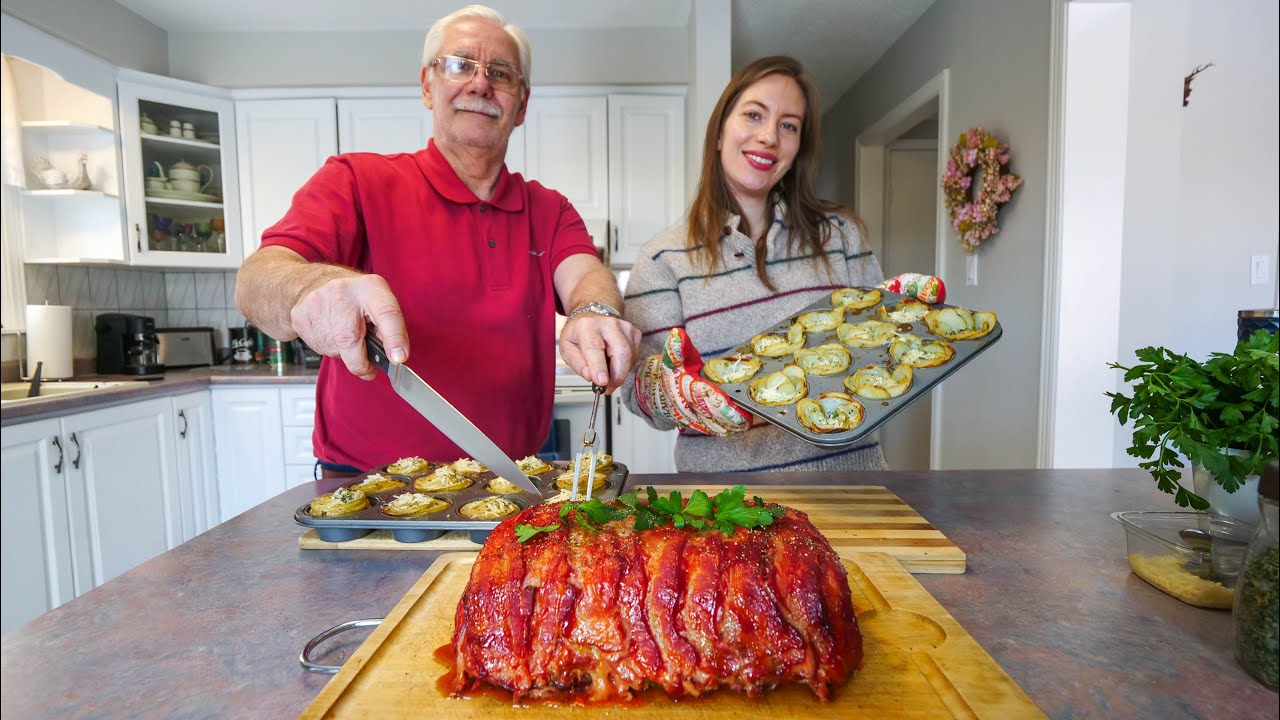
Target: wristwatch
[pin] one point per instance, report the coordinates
(598, 308)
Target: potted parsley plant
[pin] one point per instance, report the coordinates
(1221, 414)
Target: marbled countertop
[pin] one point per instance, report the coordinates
(213, 628)
(173, 382)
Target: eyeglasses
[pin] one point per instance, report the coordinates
(461, 70)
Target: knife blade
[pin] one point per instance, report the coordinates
(446, 418)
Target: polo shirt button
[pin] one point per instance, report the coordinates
(484, 208)
(493, 244)
(726, 231)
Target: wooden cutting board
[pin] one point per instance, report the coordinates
(864, 518)
(918, 663)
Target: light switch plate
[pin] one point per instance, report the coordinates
(1260, 270)
(971, 270)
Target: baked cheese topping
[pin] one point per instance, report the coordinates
(443, 479)
(532, 465)
(467, 466)
(377, 483)
(415, 504)
(499, 485)
(490, 508)
(408, 466)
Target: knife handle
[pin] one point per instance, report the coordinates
(377, 353)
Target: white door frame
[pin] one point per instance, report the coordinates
(869, 156)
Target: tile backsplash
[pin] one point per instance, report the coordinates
(175, 298)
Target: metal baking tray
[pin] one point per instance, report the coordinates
(876, 412)
(430, 527)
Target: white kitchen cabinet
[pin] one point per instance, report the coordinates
(36, 569)
(297, 420)
(281, 144)
(264, 443)
(197, 471)
(646, 170)
(170, 223)
(86, 497)
(383, 125)
(121, 487)
(250, 448)
(566, 149)
(640, 447)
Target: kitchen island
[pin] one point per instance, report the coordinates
(213, 628)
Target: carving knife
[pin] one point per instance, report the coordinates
(446, 418)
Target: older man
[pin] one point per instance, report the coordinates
(459, 265)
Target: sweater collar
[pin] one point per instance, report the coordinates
(437, 170)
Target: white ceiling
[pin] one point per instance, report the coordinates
(837, 40)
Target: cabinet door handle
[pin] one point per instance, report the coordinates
(137, 231)
(75, 463)
(614, 228)
(57, 467)
(183, 432)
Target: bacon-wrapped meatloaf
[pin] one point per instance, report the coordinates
(601, 615)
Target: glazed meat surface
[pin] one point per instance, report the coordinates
(601, 615)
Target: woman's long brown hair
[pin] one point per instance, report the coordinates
(806, 214)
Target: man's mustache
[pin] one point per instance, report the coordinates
(480, 105)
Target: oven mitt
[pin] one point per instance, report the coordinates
(925, 288)
(669, 386)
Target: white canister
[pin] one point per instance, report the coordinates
(49, 340)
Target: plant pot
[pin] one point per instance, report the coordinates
(1241, 504)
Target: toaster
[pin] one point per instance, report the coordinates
(187, 347)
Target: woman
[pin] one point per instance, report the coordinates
(757, 247)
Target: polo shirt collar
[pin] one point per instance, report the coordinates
(437, 170)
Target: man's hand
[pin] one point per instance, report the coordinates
(601, 349)
(332, 318)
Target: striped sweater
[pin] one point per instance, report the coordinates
(669, 288)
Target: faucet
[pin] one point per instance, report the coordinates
(34, 390)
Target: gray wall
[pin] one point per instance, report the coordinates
(560, 57)
(102, 27)
(998, 52)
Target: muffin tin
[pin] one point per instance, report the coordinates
(430, 527)
(876, 411)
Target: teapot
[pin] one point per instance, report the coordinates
(148, 125)
(189, 178)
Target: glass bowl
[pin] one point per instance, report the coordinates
(1170, 551)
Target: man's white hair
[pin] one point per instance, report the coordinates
(435, 36)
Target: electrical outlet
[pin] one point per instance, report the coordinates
(1260, 270)
(971, 270)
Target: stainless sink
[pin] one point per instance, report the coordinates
(16, 392)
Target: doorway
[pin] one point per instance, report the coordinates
(910, 185)
(898, 163)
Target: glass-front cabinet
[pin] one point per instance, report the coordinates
(179, 158)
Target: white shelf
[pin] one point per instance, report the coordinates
(72, 261)
(67, 193)
(63, 126)
(183, 203)
(183, 142)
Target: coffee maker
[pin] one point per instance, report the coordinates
(127, 345)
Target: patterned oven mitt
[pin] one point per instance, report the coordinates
(925, 288)
(669, 386)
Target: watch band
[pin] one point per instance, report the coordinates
(598, 308)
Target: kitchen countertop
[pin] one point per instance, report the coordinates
(173, 382)
(176, 381)
(213, 628)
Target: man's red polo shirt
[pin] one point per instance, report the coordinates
(474, 280)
